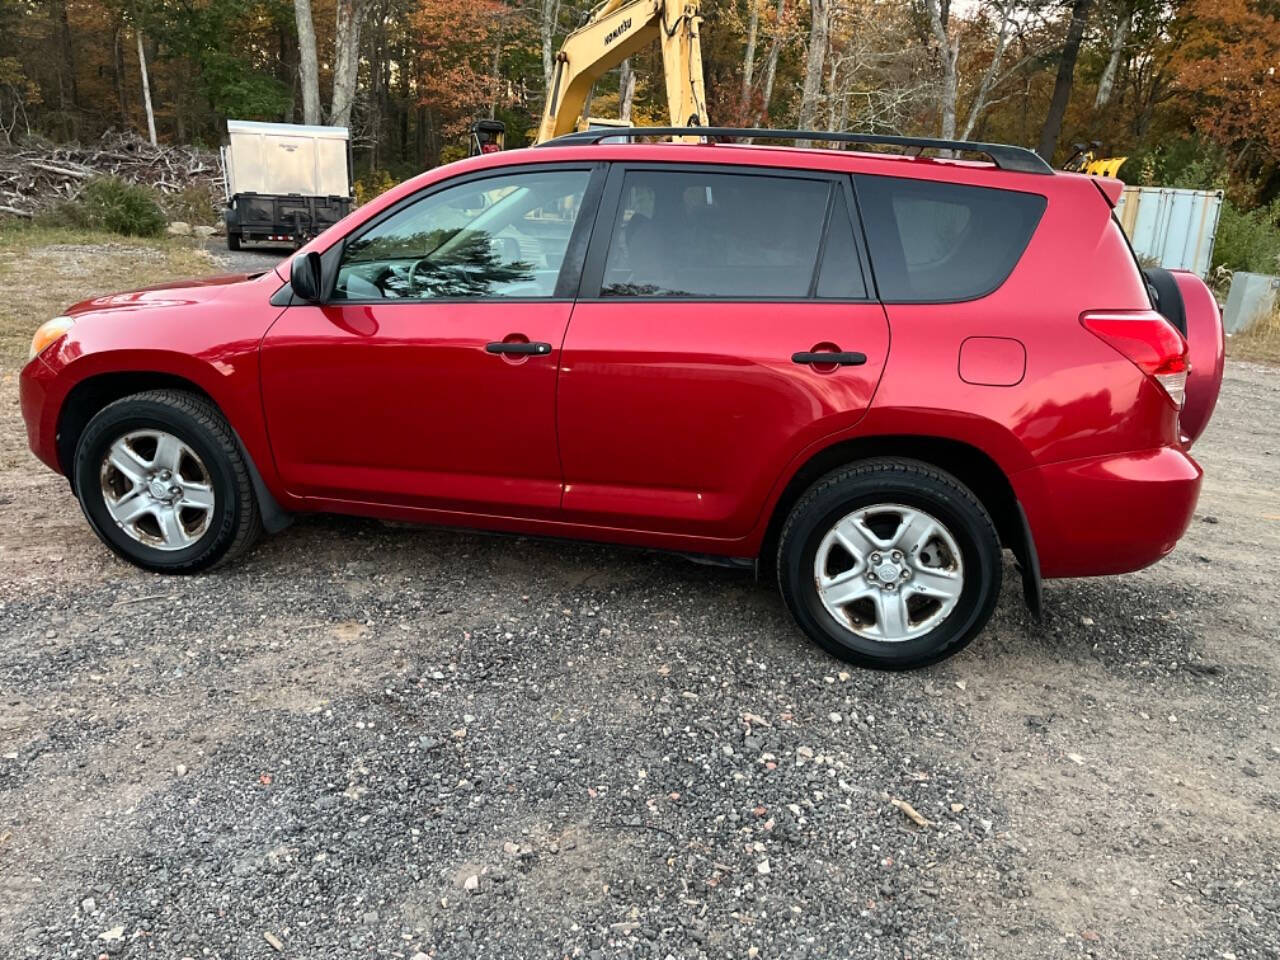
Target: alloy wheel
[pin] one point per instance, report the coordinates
(889, 572)
(157, 489)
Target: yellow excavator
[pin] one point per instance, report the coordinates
(615, 30)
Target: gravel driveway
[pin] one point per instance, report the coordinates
(385, 741)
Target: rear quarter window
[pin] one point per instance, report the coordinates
(938, 242)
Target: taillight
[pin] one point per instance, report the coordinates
(1150, 342)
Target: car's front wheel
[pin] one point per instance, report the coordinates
(890, 563)
(162, 481)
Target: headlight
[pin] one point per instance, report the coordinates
(49, 332)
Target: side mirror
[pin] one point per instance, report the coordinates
(305, 277)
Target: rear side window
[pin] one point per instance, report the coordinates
(693, 234)
(937, 242)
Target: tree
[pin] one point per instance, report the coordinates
(346, 60)
(1066, 77)
(146, 88)
(1119, 35)
(939, 12)
(308, 65)
(548, 23)
(453, 65)
(1228, 61)
(819, 24)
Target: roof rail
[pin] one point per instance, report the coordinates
(1005, 157)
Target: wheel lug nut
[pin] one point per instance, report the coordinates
(890, 586)
(875, 558)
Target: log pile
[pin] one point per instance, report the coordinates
(33, 178)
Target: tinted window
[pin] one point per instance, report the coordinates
(943, 241)
(686, 234)
(500, 237)
(841, 275)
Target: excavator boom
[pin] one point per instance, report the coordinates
(617, 29)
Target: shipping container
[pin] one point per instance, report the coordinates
(1171, 228)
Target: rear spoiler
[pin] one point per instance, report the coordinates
(1110, 188)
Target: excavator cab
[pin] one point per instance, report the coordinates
(1085, 159)
(487, 136)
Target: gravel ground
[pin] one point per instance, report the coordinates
(386, 741)
(250, 259)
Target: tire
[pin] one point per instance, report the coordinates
(209, 514)
(233, 241)
(945, 579)
(1168, 297)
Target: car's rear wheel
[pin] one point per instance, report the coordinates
(890, 563)
(163, 483)
(233, 240)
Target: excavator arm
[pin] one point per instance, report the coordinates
(617, 29)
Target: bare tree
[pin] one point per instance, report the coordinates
(547, 22)
(771, 67)
(876, 78)
(308, 65)
(1005, 10)
(346, 60)
(811, 95)
(939, 12)
(146, 88)
(1119, 36)
(626, 90)
(749, 56)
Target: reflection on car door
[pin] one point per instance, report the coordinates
(684, 385)
(428, 377)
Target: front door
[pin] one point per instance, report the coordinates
(695, 366)
(427, 378)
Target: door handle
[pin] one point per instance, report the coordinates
(536, 348)
(839, 359)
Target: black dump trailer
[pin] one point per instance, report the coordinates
(285, 182)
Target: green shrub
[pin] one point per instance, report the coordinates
(109, 203)
(1248, 240)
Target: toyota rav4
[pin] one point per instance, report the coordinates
(866, 373)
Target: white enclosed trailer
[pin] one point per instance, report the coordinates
(284, 181)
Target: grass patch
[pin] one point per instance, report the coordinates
(43, 270)
(1259, 341)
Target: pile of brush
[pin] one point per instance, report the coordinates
(33, 178)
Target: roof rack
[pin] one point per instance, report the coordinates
(1005, 157)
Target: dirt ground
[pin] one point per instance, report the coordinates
(399, 742)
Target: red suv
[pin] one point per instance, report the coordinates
(868, 372)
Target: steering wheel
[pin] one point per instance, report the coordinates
(412, 276)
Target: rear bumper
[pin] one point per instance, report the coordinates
(1112, 514)
(39, 411)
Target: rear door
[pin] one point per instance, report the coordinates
(694, 368)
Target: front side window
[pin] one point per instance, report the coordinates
(933, 242)
(504, 236)
(692, 234)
